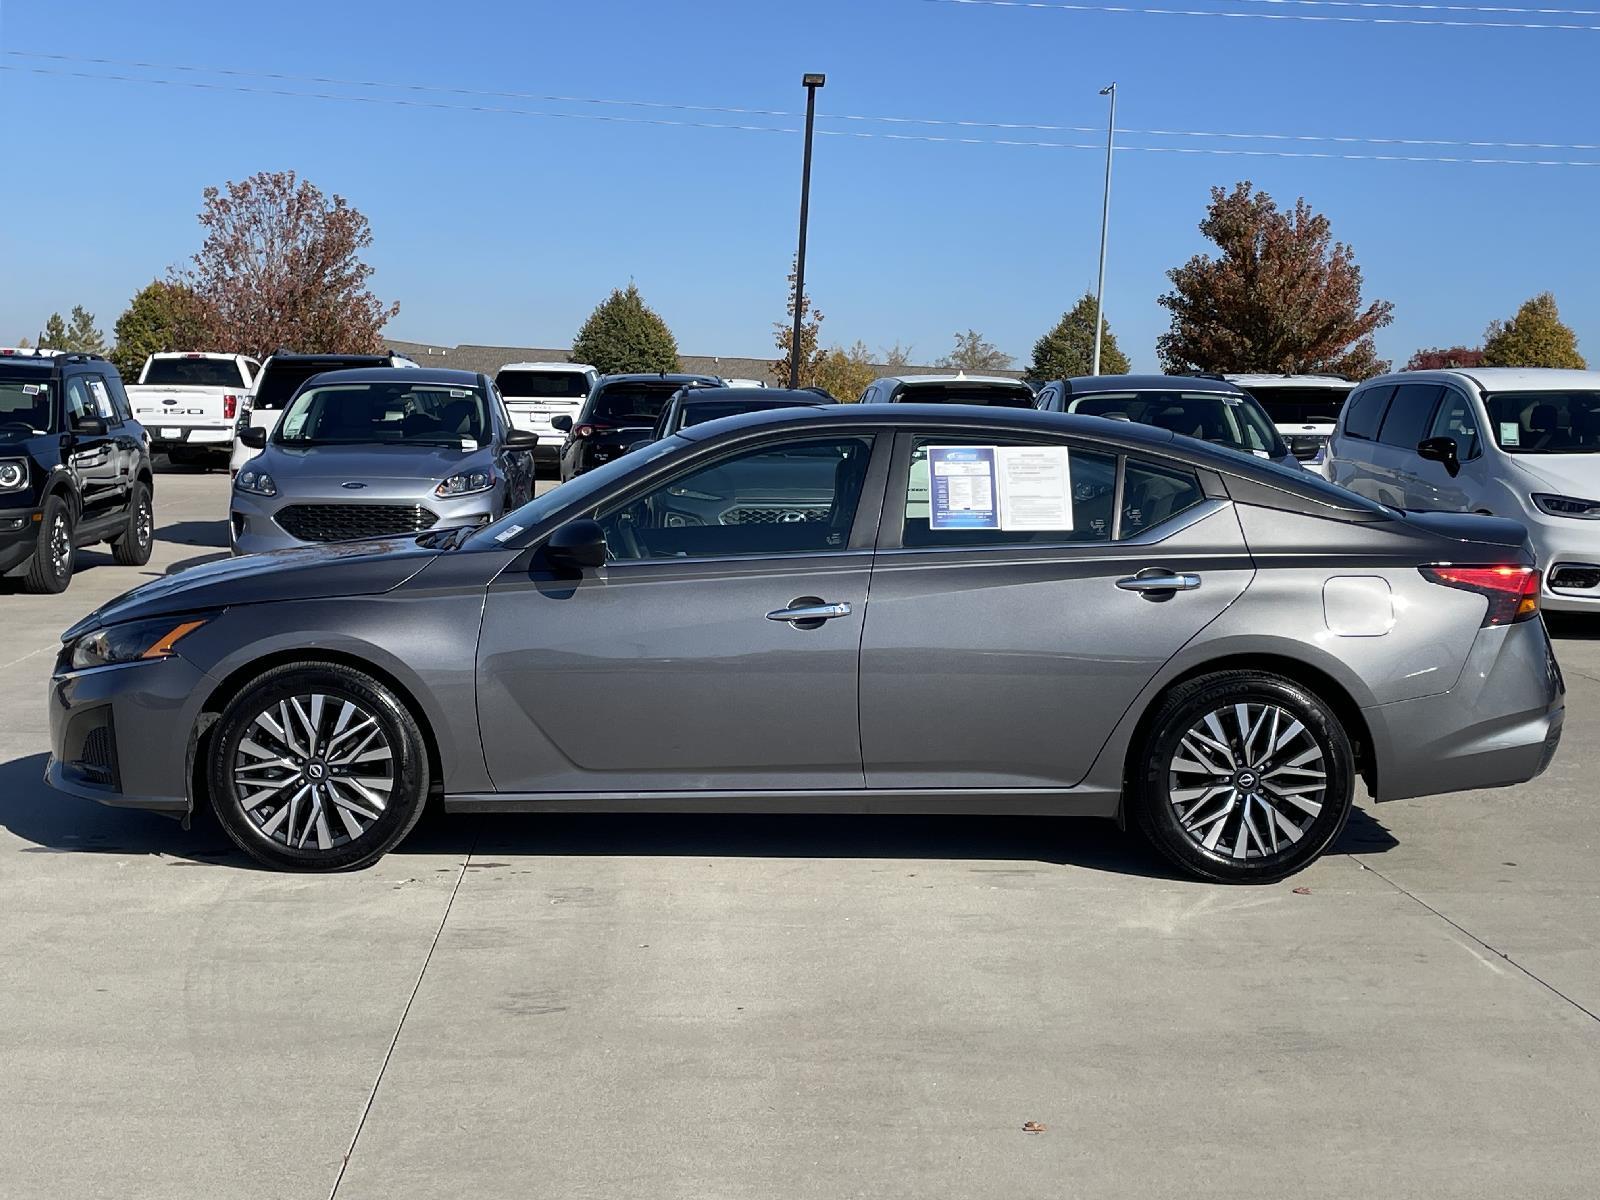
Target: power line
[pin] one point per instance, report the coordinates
(1466, 8)
(747, 128)
(934, 122)
(1324, 18)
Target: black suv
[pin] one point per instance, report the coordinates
(620, 411)
(74, 467)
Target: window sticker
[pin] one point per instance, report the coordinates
(1014, 488)
(1035, 487)
(961, 489)
(102, 399)
(31, 389)
(511, 531)
(1510, 433)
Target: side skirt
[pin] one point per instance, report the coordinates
(1027, 802)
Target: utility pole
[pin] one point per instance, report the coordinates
(1105, 220)
(811, 83)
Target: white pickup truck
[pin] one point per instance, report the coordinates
(189, 403)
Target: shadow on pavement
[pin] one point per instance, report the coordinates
(196, 533)
(56, 823)
(1578, 627)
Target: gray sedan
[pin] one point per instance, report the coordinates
(1068, 615)
(380, 451)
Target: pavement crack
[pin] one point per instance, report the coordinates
(372, 1096)
(1467, 933)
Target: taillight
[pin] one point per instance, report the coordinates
(1513, 592)
(230, 407)
(583, 431)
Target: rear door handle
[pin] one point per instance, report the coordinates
(808, 612)
(1156, 580)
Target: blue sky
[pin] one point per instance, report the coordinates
(502, 228)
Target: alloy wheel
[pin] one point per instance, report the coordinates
(142, 522)
(314, 771)
(1247, 781)
(60, 547)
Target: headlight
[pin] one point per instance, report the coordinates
(133, 641)
(465, 484)
(255, 481)
(13, 475)
(1567, 506)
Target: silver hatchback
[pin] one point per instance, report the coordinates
(377, 452)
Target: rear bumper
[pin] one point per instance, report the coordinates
(218, 440)
(1499, 726)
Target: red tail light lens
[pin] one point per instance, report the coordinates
(1513, 592)
(230, 407)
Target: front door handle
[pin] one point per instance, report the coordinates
(1155, 579)
(809, 612)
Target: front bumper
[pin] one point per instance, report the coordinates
(120, 735)
(19, 536)
(1567, 550)
(253, 527)
(1499, 726)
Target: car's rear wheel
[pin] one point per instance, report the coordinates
(317, 767)
(1244, 777)
(132, 548)
(50, 569)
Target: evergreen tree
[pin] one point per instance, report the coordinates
(161, 316)
(623, 334)
(1535, 337)
(1068, 349)
(82, 336)
(54, 336)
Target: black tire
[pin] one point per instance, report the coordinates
(50, 569)
(267, 830)
(1182, 781)
(132, 548)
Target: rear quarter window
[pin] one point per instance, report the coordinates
(1364, 412)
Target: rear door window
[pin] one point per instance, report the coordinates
(1154, 493)
(1409, 414)
(1366, 412)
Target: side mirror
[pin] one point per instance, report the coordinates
(89, 426)
(521, 439)
(254, 437)
(576, 545)
(1441, 450)
(562, 422)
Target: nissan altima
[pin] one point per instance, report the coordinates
(1066, 615)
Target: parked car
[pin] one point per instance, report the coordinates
(1205, 644)
(1523, 444)
(74, 467)
(190, 403)
(376, 452)
(537, 392)
(620, 411)
(696, 405)
(281, 376)
(1304, 408)
(998, 390)
(1211, 410)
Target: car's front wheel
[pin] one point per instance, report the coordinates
(50, 569)
(1244, 777)
(317, 767)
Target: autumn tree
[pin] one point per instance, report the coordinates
(625, 334)
(896, 357)
(1439, 359)
(161, 316)
(973, 352)
(54, 334)
(1281, 296)
(810, 330)
(1535, 337)
(281, 265)
(1068, 349)
(845, 372)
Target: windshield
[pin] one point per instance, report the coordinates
(1233, 421)
(1545, 422)
(995, 395)
(193, 372)
(25, 402)
(1300, 405)
(630, 403)
(565, 385)
(347, 414)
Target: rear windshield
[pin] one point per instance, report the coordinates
(194, 372)
(995, 395)
(565, 385)
(1545, 422)
(1233, 421)
(280, 379)
(631, 403)
(1300, 405)
(25, 402)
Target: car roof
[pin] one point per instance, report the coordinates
(958, 377)
(407, 375)
(770, 397)
(544, 366)
(657, 377)
(196, 354)
(1503, 379)
(1291, 381)
(1089, 385)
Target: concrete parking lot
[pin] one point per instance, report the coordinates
(787, 1007)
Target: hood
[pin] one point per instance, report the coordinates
(1565, 474)
(373, 461)
(362, 568)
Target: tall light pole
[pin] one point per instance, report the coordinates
(812, 83)
(1105, 220)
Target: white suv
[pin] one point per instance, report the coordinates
(538, 392)
(1304, 408)
(1518, 443)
